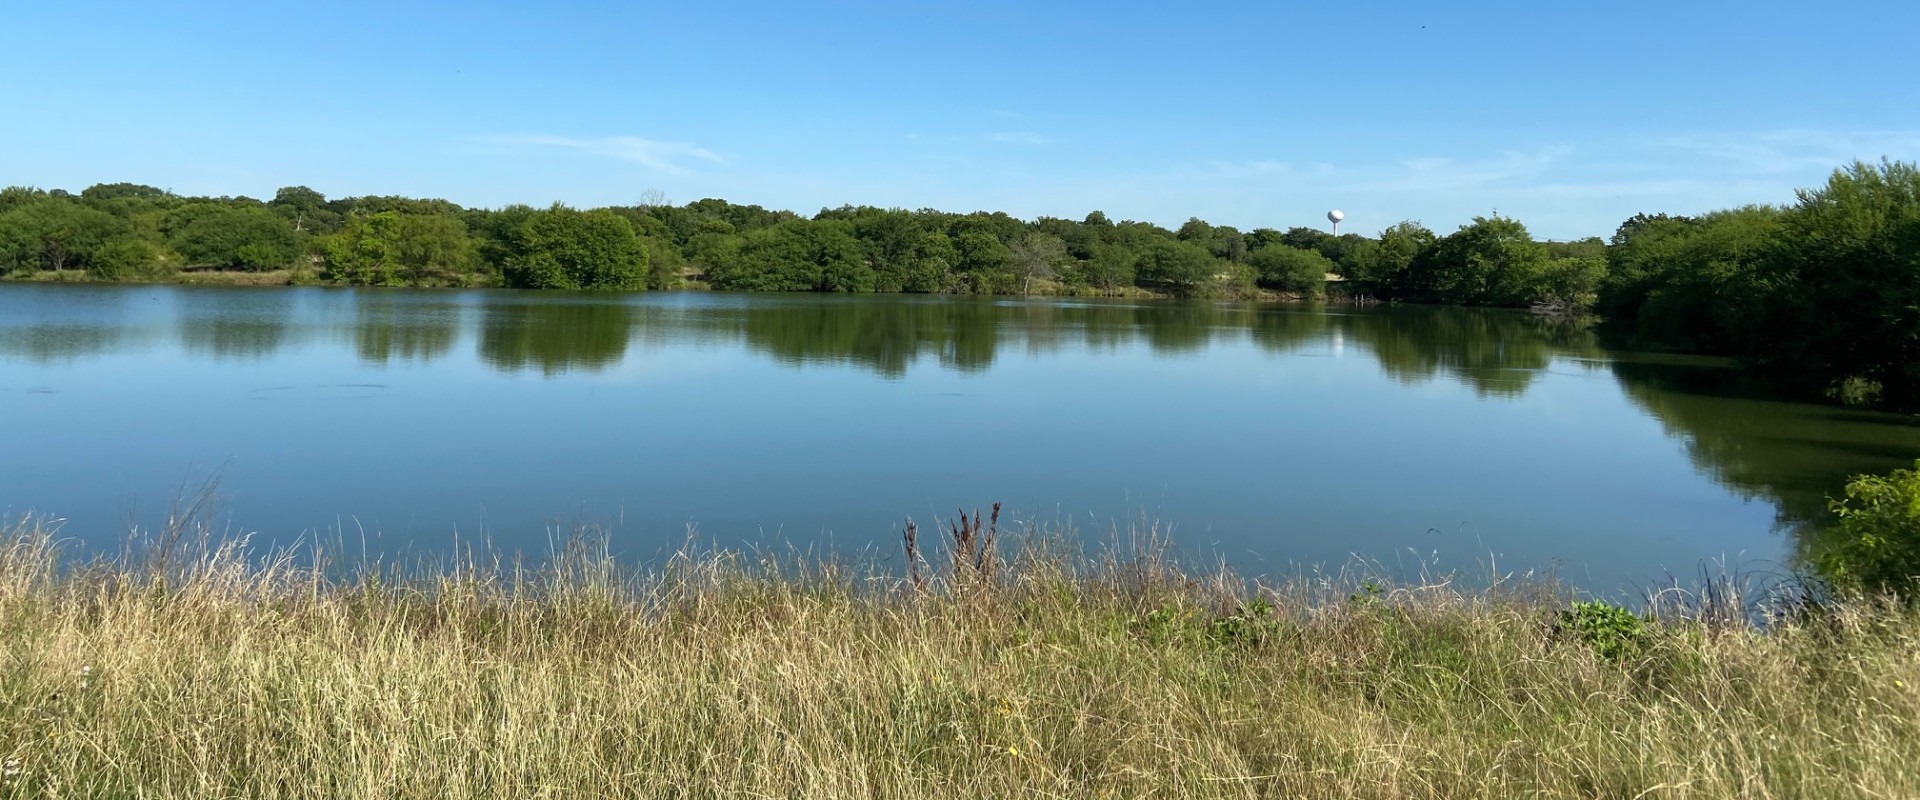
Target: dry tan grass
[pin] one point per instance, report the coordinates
(207, 674)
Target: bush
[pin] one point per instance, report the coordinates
(124, 258)
(1874, 546)
(1288, 269)
(250, 238)
(563, 248)
(1613, 632)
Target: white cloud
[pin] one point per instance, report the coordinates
(1794, 150)
(1017, 137)
(655, 155)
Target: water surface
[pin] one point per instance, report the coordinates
(1276, 436)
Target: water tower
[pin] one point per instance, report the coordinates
(1334, 217)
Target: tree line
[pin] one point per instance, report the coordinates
(129, 231)
(1823, 294)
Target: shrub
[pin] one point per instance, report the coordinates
(1613, 632)
(1874, 546)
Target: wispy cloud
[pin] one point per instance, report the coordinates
(1449, 175)
(1016, 137)
(1795, 150)
(662, 156)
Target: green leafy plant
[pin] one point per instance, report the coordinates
(1874, 546)
(1369, 594)
(1613, 632)
(1251, 624)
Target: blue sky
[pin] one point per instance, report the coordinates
(1251, 114)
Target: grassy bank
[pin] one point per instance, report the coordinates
(1040, 673)
(278, 277)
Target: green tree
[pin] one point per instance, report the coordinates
(931, 267)
(715, 250)
(126, 257)
(1572, 281)
(1110, 268)
(1078, 238)
(245, 237)
(888, 237)
(1838, 301)
(1182, 268)
(1036, 255)
(307, 208)
(54, 234)
(800, 256)
(102, 192)
(1874, 546)
(1305, 238)
(1383, 269)
(564, 248)
(1195, 230)
(981, 259)
(1493, 261)
(391, 249)
(1290, 269)
(1686, 283)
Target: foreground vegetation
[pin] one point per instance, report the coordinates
(986, 668)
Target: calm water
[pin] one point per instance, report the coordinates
(1276, 436)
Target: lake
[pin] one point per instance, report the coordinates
(1277, 437)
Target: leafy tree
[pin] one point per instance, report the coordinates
(1263, 237)
(54, 234)
(374, 204)
(126, 257)
(1683, 283)
(931, 268)
(1183, 268)
(1229, 244)
(1874, 546)
(1222, 241)
(1383, 268)
(564, 248)
(797, 256)
(13, 197)
(245, 237)
(1572, 281)
(664, 263)
(102, 192)
(1838, 300)
(1302, 238)
(499, 232)
(715, 250)
(998, 224)
(1290, 269)
(1492, 261)
(743, 218)
(366, 251)
(308, 209)
(888, 237)
(1110, 268)
(1195, 230)
(1078, 238)
(392, 249)
(1036, 255)
(979, 257)
(1590, 247)
(299, 198)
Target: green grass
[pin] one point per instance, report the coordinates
(1020, 669)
